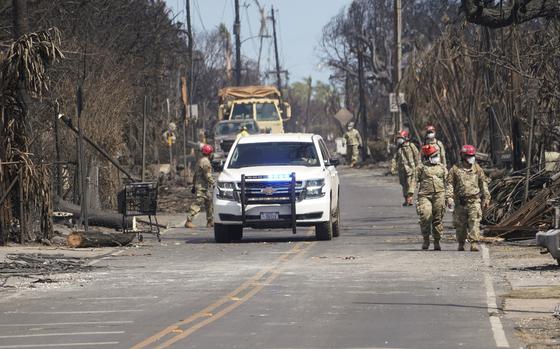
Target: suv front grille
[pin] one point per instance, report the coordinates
(269, 192)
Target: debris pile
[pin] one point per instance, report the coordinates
(38, 266)
(510, 216)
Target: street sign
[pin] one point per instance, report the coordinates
(393, 105)
(344, 116)
(192, 111)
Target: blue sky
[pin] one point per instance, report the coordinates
(300, 23)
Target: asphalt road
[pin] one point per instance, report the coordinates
(370, 288)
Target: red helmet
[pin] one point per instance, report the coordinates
(207, 149)
(430, 128)
(403, 134)
(429, 150)
(469, 150)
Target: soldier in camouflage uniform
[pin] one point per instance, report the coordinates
(430, 205)
(431, 139)
(405, 163)
(353, 144)
(203, 183)
(467, 189)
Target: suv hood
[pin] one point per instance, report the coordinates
(272, 173)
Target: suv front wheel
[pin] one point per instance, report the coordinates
(324, 230)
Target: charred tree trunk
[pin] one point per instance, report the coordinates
(98, 239)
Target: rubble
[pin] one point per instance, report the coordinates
(40, 266)
(509, 216)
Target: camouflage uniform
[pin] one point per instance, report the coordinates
(405, 163)
(439, 144)
(353, 142)
(203, 183)
(467, 187)
(430, 205)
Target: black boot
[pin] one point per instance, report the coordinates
(426, 243)
(437, 246)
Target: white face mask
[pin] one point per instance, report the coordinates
(400, 141)
(471, 160)
(431, 135)
(350, 128)
(434, 160)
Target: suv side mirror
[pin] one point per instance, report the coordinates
(332, 162)
(217, 166)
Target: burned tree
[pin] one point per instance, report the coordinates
(491, 15)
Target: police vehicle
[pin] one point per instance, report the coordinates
(277, 181)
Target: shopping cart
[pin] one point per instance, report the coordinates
(140, 199)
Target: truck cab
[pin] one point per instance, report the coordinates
(263, 104)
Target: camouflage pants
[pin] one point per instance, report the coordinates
(408, 183)
(466, 218)
(353, 153)
(203, 200)
(430, 209)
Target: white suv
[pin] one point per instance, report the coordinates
(277, 181)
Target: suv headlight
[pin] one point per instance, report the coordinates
(226, 190)
(314, 188)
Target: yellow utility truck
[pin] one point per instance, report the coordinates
(263, 104)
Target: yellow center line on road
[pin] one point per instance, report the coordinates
(227, 303)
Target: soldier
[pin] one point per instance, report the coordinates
(353, 144)
(430, 205)
(243, 132)
(405, 163)
(467, 188)
(203, 183)
(430, 138)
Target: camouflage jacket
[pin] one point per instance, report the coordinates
(464, 184)
(203, 174)
(441, 149)
(431, 179)
(353, 137)
(405, 159)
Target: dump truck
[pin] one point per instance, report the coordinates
(263, 104)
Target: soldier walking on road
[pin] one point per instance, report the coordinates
(467, 189)
(203, 183)
(430, 205)
(353, 144)
(430, 138)
(405, 163)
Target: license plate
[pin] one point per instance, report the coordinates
(269, 216)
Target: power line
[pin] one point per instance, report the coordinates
(197, 8)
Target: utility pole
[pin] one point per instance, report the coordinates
(190, 80)
(278, 77)
(144, 138)
(397, 75)
(363, 109)
(237, 33)
(82, 162)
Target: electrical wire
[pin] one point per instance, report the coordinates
(197, 9)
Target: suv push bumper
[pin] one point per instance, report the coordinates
(308, 212)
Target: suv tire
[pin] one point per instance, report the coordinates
(222, 234)
(324, 231)
(236, 232)
(336, 222)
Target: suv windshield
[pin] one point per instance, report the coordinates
(274, 154)
(266, 112)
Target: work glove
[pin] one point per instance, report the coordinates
(193, 190)
(485, 205)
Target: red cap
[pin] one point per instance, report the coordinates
(207, 149)
(403, 134)
(469, 150)
(429, 150)
(430, 128)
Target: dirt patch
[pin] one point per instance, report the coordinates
(539, 332)
(535, 292)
